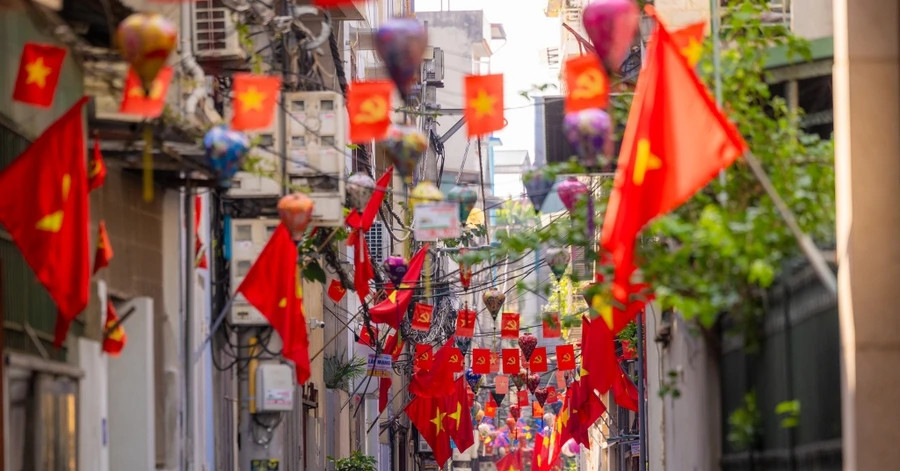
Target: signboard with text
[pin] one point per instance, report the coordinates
(436, 221)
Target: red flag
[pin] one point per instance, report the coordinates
(96, 168)
(437, 380)
(104, 252)
(511, 462)
(495, 362)
(369, 108)
(254, 101)
(522, 398)
(537, 410)
(135, 100)
(587, 83)
(565, 357)
(334, 3)
(393, 346)
(391, 310)
(551, 395)
(272, 287)
(675, 141)
(689, 41)
(538, 362)
(484, 104)
(625, 392)
(501, 384)
(509, 326)
(50, 227)
(511, 361)
(550, 324)
(39, 69)
(459, 417)
(114, 337)
(586, 409)
(465, 323)
(365, 338)
(362, 263)
(628, 351)
(481, 361)
(200, 260)
(336, 291)
(384, 390)
(428, 415)
(556, 437)
(457, 360)
(424, 357)
(599, 366)
(490, 408)
(421, 319)
(539, 454)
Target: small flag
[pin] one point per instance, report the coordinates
(104, 252)
(522, 398)
(336, 291)
(565, 357)
(114, 337)
(200, 260)
(456, 360)
(369, 107)
(495, 362)
(537, 410)
(501, 384)
(135, 100)
(484, 104)
(365, 338)
(96, 168)
(511, 364)
(481, 361)
(490, 409)
(465, 323)
(538, 362)
(424, 357)
(551, 395)
(587, 83)
(421, 319)
(393, 346)
(551, 325)
(39, 69)
(254, 101)
(509, 326)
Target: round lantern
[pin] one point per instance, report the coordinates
(405, 145)
(396, 267)
(226, 150)
(493, 301)
(424, 193)
(569, 191)
(611, 26)
(145, 41)
(589, 132)
(558, 259)
(466, 197)
(295, 211)
(527, 343)
(360, 188)
(401, 43)
(474, 380)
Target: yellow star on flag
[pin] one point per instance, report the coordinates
(37, 72)
(283, 303)
(644, 162)
(53, 221)
(483, 104)
(692, 52)
(456, 415)
(251, 99)
(438, 420)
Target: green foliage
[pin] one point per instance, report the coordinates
(338, 372)
(356, 462)
(789, 411)
(745, 424)
(669, 385)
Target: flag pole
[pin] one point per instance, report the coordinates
(812, 253)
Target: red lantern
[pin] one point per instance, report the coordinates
(295, 211)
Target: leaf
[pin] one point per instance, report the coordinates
(314, 272)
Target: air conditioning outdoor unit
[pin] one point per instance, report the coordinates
(247, 239)
(378, 241)
(215, 32)
(265, 178)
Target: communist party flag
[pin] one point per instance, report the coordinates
(424, 357)
(459, 419)
(392, 309)
(254, 101)
(565, 357)
(104, 252)
(587, 84)
(96, 168)
(511, 462)
(550, 325)
(428, 415)
(421, 319)
(393, 346)
(481, 361)
(484, 104)
(538, 361)
(509, 326)
(50, 226)
(336, 291)
(135, 100)
(456, 360)
(511, 361)
(625, 392)
(437, 380)
(369, 108)
(359, 224)
(465, 323)
(689, 41)
(675, 141)
(114, 337)
(39, 69)
(365, 335)
(272, 287)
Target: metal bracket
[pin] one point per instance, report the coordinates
(323, 36)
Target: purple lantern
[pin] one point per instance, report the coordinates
(537, 186)
(611, 25)
(396, 267)
(401, 44)
(569, 191)
(589, 132)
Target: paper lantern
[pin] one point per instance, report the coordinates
(532, 382)
(466, 197)
(360, 188)
(396, 267)
(401, 43)
(589, 132)
(527, 343)
(425, 193)
(145, 41)
(537, 187)
(569, 191)
(295, 211)
(611, 26)
(405, 145)
(558, 259)
(493, 301)
(474, 380)
(465, 270)
(226, 150)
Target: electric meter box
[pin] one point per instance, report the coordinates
(274, 387)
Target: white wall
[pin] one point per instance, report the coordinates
(93, 433)
(812, 19)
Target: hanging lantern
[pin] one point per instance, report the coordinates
(611, 25)
(541, 395)
(589, 132)
(527, 343)
(533, 381)
(511, 423)
(401, 43)
(424, 193)
(360, 188)
(555, 407)
(295, 211)
(498, 398)
(537, 187)
(479, 416)
(515, 411)
(465, 270)
(493, 301)
(405, 145)
(474, 380)
(466, 196)
(463, 344)
(520, 379)
(145, 41)
(396, 267)
(226, 150)
(558, 259)
(569, 190)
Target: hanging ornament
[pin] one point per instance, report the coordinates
(541, 395)
(493, 301)
(479, 416)
(401, 43)
(611, 25)
(527, 343)
(520, 379)
(589, 132)
(498, 398)
(295, 211)
(466, 196)
(425, 193)
(515, 411)
(569, 191)
(463, 344)
(511, 423)
(533, 381)
(226, 150)
(405, 145)
(396, 267)
(474, 380)
(360, 188)
(465, 270)
(145, 41)
(558, 259)
(537, 186)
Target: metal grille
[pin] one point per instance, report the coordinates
(375, 239)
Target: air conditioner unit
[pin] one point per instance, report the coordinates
(215, 32)
(247, 239)
(378, 241)
(264, 160)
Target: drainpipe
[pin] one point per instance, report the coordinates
(189, 61)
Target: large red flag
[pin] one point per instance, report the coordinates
(359, 224)
(599, 366)
(104, 252)
(429, 417)
(511, 462)
(675, 141)
(254, 101)
(39, 69)
(539, 453)
(272, 286)
(459, 416)
(484, 104)
(392, 309)
(436, 380)
(50, 227)
(114, 337)
(585, 409)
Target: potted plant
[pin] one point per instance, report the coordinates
(356, 462)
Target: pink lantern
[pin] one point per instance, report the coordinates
(611, 25)
(295, 211)
(569, 190)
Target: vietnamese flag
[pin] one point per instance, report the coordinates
(50, 225)
(104, 252)
(501, 384)
(253, 100)
(511, 361)
(484, 104)
(625, 392)
(39, 69)
(599, 366)
(363, 272)
(689, 41)
(509, 326)
(96, 167)
(369, 109)
(393, 346)
(565, 357)
(550, 325)
(364, 337)
(459, 417)
(114, 337)
(587, 83)
(392, 309)
(465, 323)
(481, 361)
(135, 100)
(538, 361)
(511, 462)
(675, 141)
(429, 417)
(421, 319)
(272, 287)
(436, 380)
(490, 408)
(586, 409)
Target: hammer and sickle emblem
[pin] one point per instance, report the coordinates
(567, 358)
(480, 360)
(511, 361)
(512, 325)
(538, 359)
(454, 359)
(373, 110)
(424, 317)
(589, 84)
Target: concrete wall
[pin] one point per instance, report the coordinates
(812, 19)
(678, 13)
